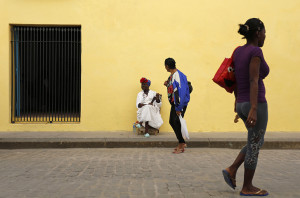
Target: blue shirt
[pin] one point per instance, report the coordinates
(178, 90)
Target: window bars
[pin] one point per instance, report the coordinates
(46, 74)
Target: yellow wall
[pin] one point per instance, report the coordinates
(123, 40)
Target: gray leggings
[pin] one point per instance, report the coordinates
(255, 134)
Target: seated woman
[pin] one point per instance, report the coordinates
(148, 103)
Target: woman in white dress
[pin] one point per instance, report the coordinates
(148, 103)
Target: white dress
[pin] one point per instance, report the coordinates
(149, 113)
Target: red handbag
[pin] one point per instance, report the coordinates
(225, 75)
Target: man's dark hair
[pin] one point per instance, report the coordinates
(170, 62)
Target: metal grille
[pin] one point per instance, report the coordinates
(46, 74)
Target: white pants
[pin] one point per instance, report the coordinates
(151, 114)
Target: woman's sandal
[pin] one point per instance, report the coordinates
(228, 179)
(178, 151)
(260, 193)
(177, 147)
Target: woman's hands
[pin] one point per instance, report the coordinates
(141, 105)
(156, 98)
(252, 117)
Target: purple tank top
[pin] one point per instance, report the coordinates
(241, 59)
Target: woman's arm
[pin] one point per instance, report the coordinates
(155, 98)
(253, 78)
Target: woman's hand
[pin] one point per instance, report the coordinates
(236, 119)
(178, 113)
(157, 97)
(252, 117)
(166, 82)
(141, 105)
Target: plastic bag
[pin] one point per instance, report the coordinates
(184, 130)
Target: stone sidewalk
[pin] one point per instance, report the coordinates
(140, 173)
(101, 139)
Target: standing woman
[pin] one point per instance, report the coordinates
(250, 104)
(179, 97)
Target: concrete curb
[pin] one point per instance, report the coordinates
(39, 143)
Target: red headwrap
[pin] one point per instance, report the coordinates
(143, 80)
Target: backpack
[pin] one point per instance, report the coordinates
(225, 75)
(190, 86)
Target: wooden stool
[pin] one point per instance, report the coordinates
(151, 131)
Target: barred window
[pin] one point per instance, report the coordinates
(46, 73)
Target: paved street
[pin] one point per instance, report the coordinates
(139, 173)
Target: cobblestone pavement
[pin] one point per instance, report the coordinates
(139, 173)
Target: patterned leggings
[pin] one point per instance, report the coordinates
(255, 134)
